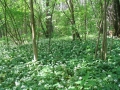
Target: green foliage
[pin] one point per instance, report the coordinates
(69, 66)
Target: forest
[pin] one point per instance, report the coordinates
(59, 44)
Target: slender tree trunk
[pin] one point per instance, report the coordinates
(98, 40)
(35, 52)
(49, 14)
(6, 30)
(116, 17)
(75, 33)
(25, 20)
(85, 19)
(104, 45)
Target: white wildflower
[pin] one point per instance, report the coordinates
(95, 87)
(80, 78)
(115, 80)
(119, 85)
(109, 76)
(17, 83)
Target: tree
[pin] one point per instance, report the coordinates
(104, 44)
(35, 52)
(116, 20)
(5, 17)
(75, 32)
(49, 15)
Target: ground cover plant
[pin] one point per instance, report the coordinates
(69, 66)
(59, 45)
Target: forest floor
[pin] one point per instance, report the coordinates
(67, 65)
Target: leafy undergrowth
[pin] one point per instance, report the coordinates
(68, 66)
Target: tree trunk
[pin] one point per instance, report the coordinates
(35, 52)
(6, 30)
(104, 45)
(116, 17)
(75, 33)
(85, 19)
(49, 25)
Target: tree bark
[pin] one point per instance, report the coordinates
(116, 4)
(35, 52)
(104, 45)
(49, 14)
(75, 33)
